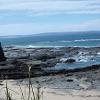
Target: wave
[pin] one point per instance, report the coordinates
(60, 43)
(33, 46)
(87, 40)
(46, 46)
(80, 40)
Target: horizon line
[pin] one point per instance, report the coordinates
(48, 33)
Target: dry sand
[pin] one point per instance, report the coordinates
(54, 88)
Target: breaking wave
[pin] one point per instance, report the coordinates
(81, 40)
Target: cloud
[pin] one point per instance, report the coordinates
(24, 29)
(11, 9)
(92, 25)
(51, 6)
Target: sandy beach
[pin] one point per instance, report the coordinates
(78, 86)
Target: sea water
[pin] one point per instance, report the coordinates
(87, 39)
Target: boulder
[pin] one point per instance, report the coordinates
(2, 57)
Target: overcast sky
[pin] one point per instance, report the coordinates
(39, 16)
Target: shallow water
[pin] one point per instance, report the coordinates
(83, 62)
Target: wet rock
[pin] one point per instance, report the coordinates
(52, 62)
(20, 65)
(42, 59)
(3, 63)
(46, 54)
(4, 67)
(35, 65)
(70, 61)
(17, 55)
(2, 57)
(43, 56)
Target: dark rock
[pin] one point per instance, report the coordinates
(70, 61)
(2, 57)
(1, 84)
(17, 55)
(35, 65)
(52, 62)
(43, 56)
(69, 80)
(3, 63)
(19, 65)
(40, 59)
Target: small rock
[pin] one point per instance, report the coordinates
(70, 61)
(69, 80)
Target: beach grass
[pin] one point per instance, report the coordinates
(8, 95)
(31, 95)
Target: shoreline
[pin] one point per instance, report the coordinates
(46, 47)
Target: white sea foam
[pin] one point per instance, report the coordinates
(65, 41)
(80, 40)
(87, 40)
(98, 53)
(42, 46)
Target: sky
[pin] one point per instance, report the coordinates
(24, 17)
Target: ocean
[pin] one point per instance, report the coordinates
(64, 39)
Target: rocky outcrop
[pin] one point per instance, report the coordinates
(2, 57)
(41, 60)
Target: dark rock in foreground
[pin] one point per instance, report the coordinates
(20, 70)
(2, 57)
